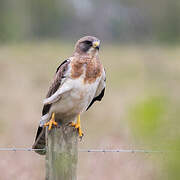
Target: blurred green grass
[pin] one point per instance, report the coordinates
(147, 116)
(140, 107)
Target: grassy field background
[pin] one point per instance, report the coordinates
(140, 110)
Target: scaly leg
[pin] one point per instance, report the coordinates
(51, 122)
(78, 126)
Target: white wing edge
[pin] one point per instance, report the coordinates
(55, 97)
(102, 84)
(44, 119)
(64, 87)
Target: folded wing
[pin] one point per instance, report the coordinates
(59, 78)
(100, 90)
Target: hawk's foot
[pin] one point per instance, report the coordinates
(51, 122)
(78, 127)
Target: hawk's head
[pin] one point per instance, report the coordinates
(87, 45)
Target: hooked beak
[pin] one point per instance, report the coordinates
(96, 44)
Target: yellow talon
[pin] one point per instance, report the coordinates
(51, 122)
(78, 126)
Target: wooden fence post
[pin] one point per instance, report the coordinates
(61, 153)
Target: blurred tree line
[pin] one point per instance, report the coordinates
(119, 20)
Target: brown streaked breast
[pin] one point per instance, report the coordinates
(93, 71)
(92, 67)
(77, 69)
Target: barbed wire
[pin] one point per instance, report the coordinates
(94, 150)
(121, 150)
(20, 149)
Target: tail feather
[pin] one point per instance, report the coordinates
(40, 142)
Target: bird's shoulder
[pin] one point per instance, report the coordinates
(59, 76)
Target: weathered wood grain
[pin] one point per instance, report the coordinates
(62, 153)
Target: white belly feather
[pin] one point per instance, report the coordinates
(77, 99)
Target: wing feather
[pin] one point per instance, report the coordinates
(97, 98)
(40, 135)
(60, 74)
(100, 90)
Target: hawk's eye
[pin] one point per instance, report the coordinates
(88, 42)
(85, 45)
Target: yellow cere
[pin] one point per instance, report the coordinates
(96, 43)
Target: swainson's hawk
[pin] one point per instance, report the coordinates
(79, 82)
